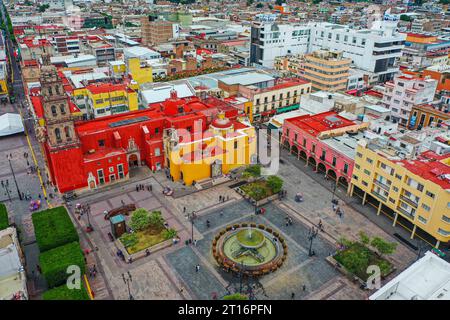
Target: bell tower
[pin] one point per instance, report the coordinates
(59, 121)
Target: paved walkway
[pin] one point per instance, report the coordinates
(317, 207)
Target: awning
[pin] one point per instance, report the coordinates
(10, 123)
(289, 108)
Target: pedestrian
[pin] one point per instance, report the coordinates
(220, 198)
(292, 296)
(195, 242)
(334, 207)
(197, 268)
(137, 188)
(40, 197)
(184, 209)
(123, 202)
(181, 289)
(304, 287)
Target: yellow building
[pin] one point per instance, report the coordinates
(327, 70)
(414, 191)
(139, 71)
(3, 80)
(108, 99)
(225, 146)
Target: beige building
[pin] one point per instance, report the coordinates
(155, 32)
(327, 70)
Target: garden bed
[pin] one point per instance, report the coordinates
(64, 293)
(357, 258)
(257, 190)
(147, 239)
(4, 222)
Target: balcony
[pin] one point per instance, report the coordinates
(406, 213)
(409, 201)
(381, 184)
(379, 196)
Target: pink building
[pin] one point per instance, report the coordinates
(326, 141)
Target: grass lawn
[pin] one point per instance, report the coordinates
(4, 223)
(147, 238)
(257, 190)
(64, 293)
(357, 257)
(256, 238)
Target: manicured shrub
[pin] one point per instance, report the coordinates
(275, 183)
(4, 222)
(53, 228)
(64, 293)
(54, 263)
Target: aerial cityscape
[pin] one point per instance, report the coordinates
(224, 150)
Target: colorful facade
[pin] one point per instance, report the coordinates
(307, 136)
(415, 190)
(104, 150)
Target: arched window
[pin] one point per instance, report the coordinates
(50, 91)
(62, 109)
(58, 135)
(57, 89)
(54, 111)
(67, 132)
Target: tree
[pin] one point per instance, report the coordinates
(275, 183)
(140, 219)
(279, 2)
(43, 7)
(170, 233)
(259, 5)
(383, 247)
(252, 171)
(404, 17)
(365, 239)
(156, 219)
(249, 3)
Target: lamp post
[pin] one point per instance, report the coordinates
(311, 236)
(87, 209)
(9, 157)
(5, 185)
(334, 193)
(127, 279)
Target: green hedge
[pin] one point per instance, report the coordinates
(4, 222)
(54, 263)
(53, 228)
(64, 293)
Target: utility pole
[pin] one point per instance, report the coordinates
(311, 236)
(9, 157)
(5, 185)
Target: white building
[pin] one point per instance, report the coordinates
(426, 279)
(142, 53)
(13, 283)
(375, 50)
(406, 91)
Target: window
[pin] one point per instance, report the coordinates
(304, 145)
(345, 38)
(334, 162)
(111, 169)
(425, 207)
(156, 130)
(62, 109)
(359, 155)
(399, 177)
(120, 171)
(101, 143)
(430, 194)
(422, 219)
(364, 183)
(367, 172)
(395, 189)
(363, 42)
(443, 232)
(313, 150)
(391, 200)
(58, 135)
(157, 152)
(101, 177)
(369, 160)
(446, 219)
(235, 145)
(355, 177)
(67, 133)
(54, 111)
(420, 187)
(257, 101)
(295, 137)
(357, 166)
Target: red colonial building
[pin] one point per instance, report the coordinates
(87, 154)
(326, 141)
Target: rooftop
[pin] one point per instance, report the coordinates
(321, 122)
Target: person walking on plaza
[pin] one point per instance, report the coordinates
(197, 268)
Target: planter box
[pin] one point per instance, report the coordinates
(140, 254)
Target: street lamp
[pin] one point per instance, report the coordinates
(127, 279)
(334, 201)
(311, 236)
(5, 185)
(87, 209)
(9, 157)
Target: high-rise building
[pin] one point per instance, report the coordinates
(327, 70)
(375, 50)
